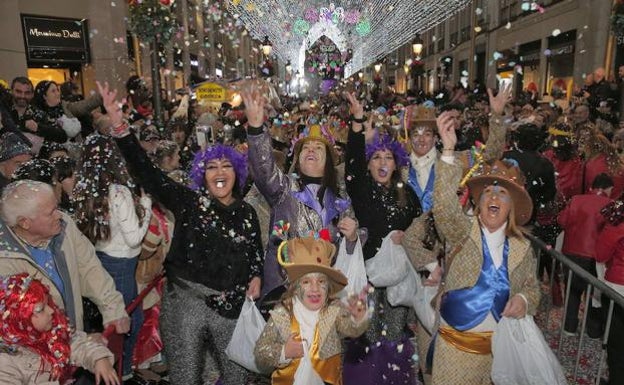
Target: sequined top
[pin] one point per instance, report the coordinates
(215, 245)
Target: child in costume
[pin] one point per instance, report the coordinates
(307, 324)
(36, 343)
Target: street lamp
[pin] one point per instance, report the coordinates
(377, 67)
(406, 69)
(267, 47)
(417, 46)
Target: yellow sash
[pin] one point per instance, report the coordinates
(330, 370)
(470, 342)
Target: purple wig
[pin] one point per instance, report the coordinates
(386, 142)
(219, 151)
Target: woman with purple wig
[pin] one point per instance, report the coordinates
(215, 259)
(382, 203)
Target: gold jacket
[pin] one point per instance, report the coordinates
(334, 323)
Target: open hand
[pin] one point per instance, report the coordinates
(254, 105)
(105, 373)
(357, 304)
(446, 130)
(498, 102)
(112, 106)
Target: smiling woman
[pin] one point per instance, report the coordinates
(491, 273)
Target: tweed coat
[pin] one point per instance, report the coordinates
(459, 228)
(334, 323)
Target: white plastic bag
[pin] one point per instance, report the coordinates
(305, 374)
(522, 356)
(352, 266)
(71, 126)
(389, 266)
(403, 293)
(422, 304)
(249, 326)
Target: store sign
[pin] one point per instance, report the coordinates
(210, 92)
(55, 40)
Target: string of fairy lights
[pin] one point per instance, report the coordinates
(370, 29)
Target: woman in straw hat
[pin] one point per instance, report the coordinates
(490, 273)
(37, 345)
(309, 200)
(307, 324)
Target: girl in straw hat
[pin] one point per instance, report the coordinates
(307, 324)
(36, 343)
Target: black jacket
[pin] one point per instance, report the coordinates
(376, 207)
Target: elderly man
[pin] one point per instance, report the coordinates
(40, 240)
(13, 152)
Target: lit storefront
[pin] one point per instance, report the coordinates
(56, 48)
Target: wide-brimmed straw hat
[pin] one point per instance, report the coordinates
(506, 174)
(310, 255)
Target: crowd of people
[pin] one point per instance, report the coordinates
(255, 201)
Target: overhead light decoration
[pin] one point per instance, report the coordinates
(372, 28)
(417, 46)
(267, 47)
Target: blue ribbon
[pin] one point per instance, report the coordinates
(463, 309)
(425, 197)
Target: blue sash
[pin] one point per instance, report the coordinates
(425, 197)
(463, 309)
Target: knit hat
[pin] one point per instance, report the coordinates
(11, 146)
(310, 255)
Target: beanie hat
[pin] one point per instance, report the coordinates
(11, 146)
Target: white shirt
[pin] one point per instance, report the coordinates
(422, 165)
(126, 231)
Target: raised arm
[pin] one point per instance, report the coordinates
(272, 183)
(447, 212)
(153, 180)
(495, 144)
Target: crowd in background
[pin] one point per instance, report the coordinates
(99, 202)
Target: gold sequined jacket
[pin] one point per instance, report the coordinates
(334, 323)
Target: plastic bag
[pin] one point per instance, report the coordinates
(522, 356)
(403, 293)
(305, 374)
(352, 266)
(249, 326)
(389, 266)
(422, 304)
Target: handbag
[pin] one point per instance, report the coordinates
(249, 326)
(389, 266)
(522, 356)
(352, 266)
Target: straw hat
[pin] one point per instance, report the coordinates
(508, 175)
(310, 255)
(420, 116)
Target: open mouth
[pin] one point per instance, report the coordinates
(494, 209)
(311, 157)
(383, 172)
(314, 298)
(220, 183)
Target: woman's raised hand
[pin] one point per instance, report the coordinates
(498, 102)
(254, 105)
(112, 105)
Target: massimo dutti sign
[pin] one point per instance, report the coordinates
(55, 39)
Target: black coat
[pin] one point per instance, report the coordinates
(376, 207)
(214, 245)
